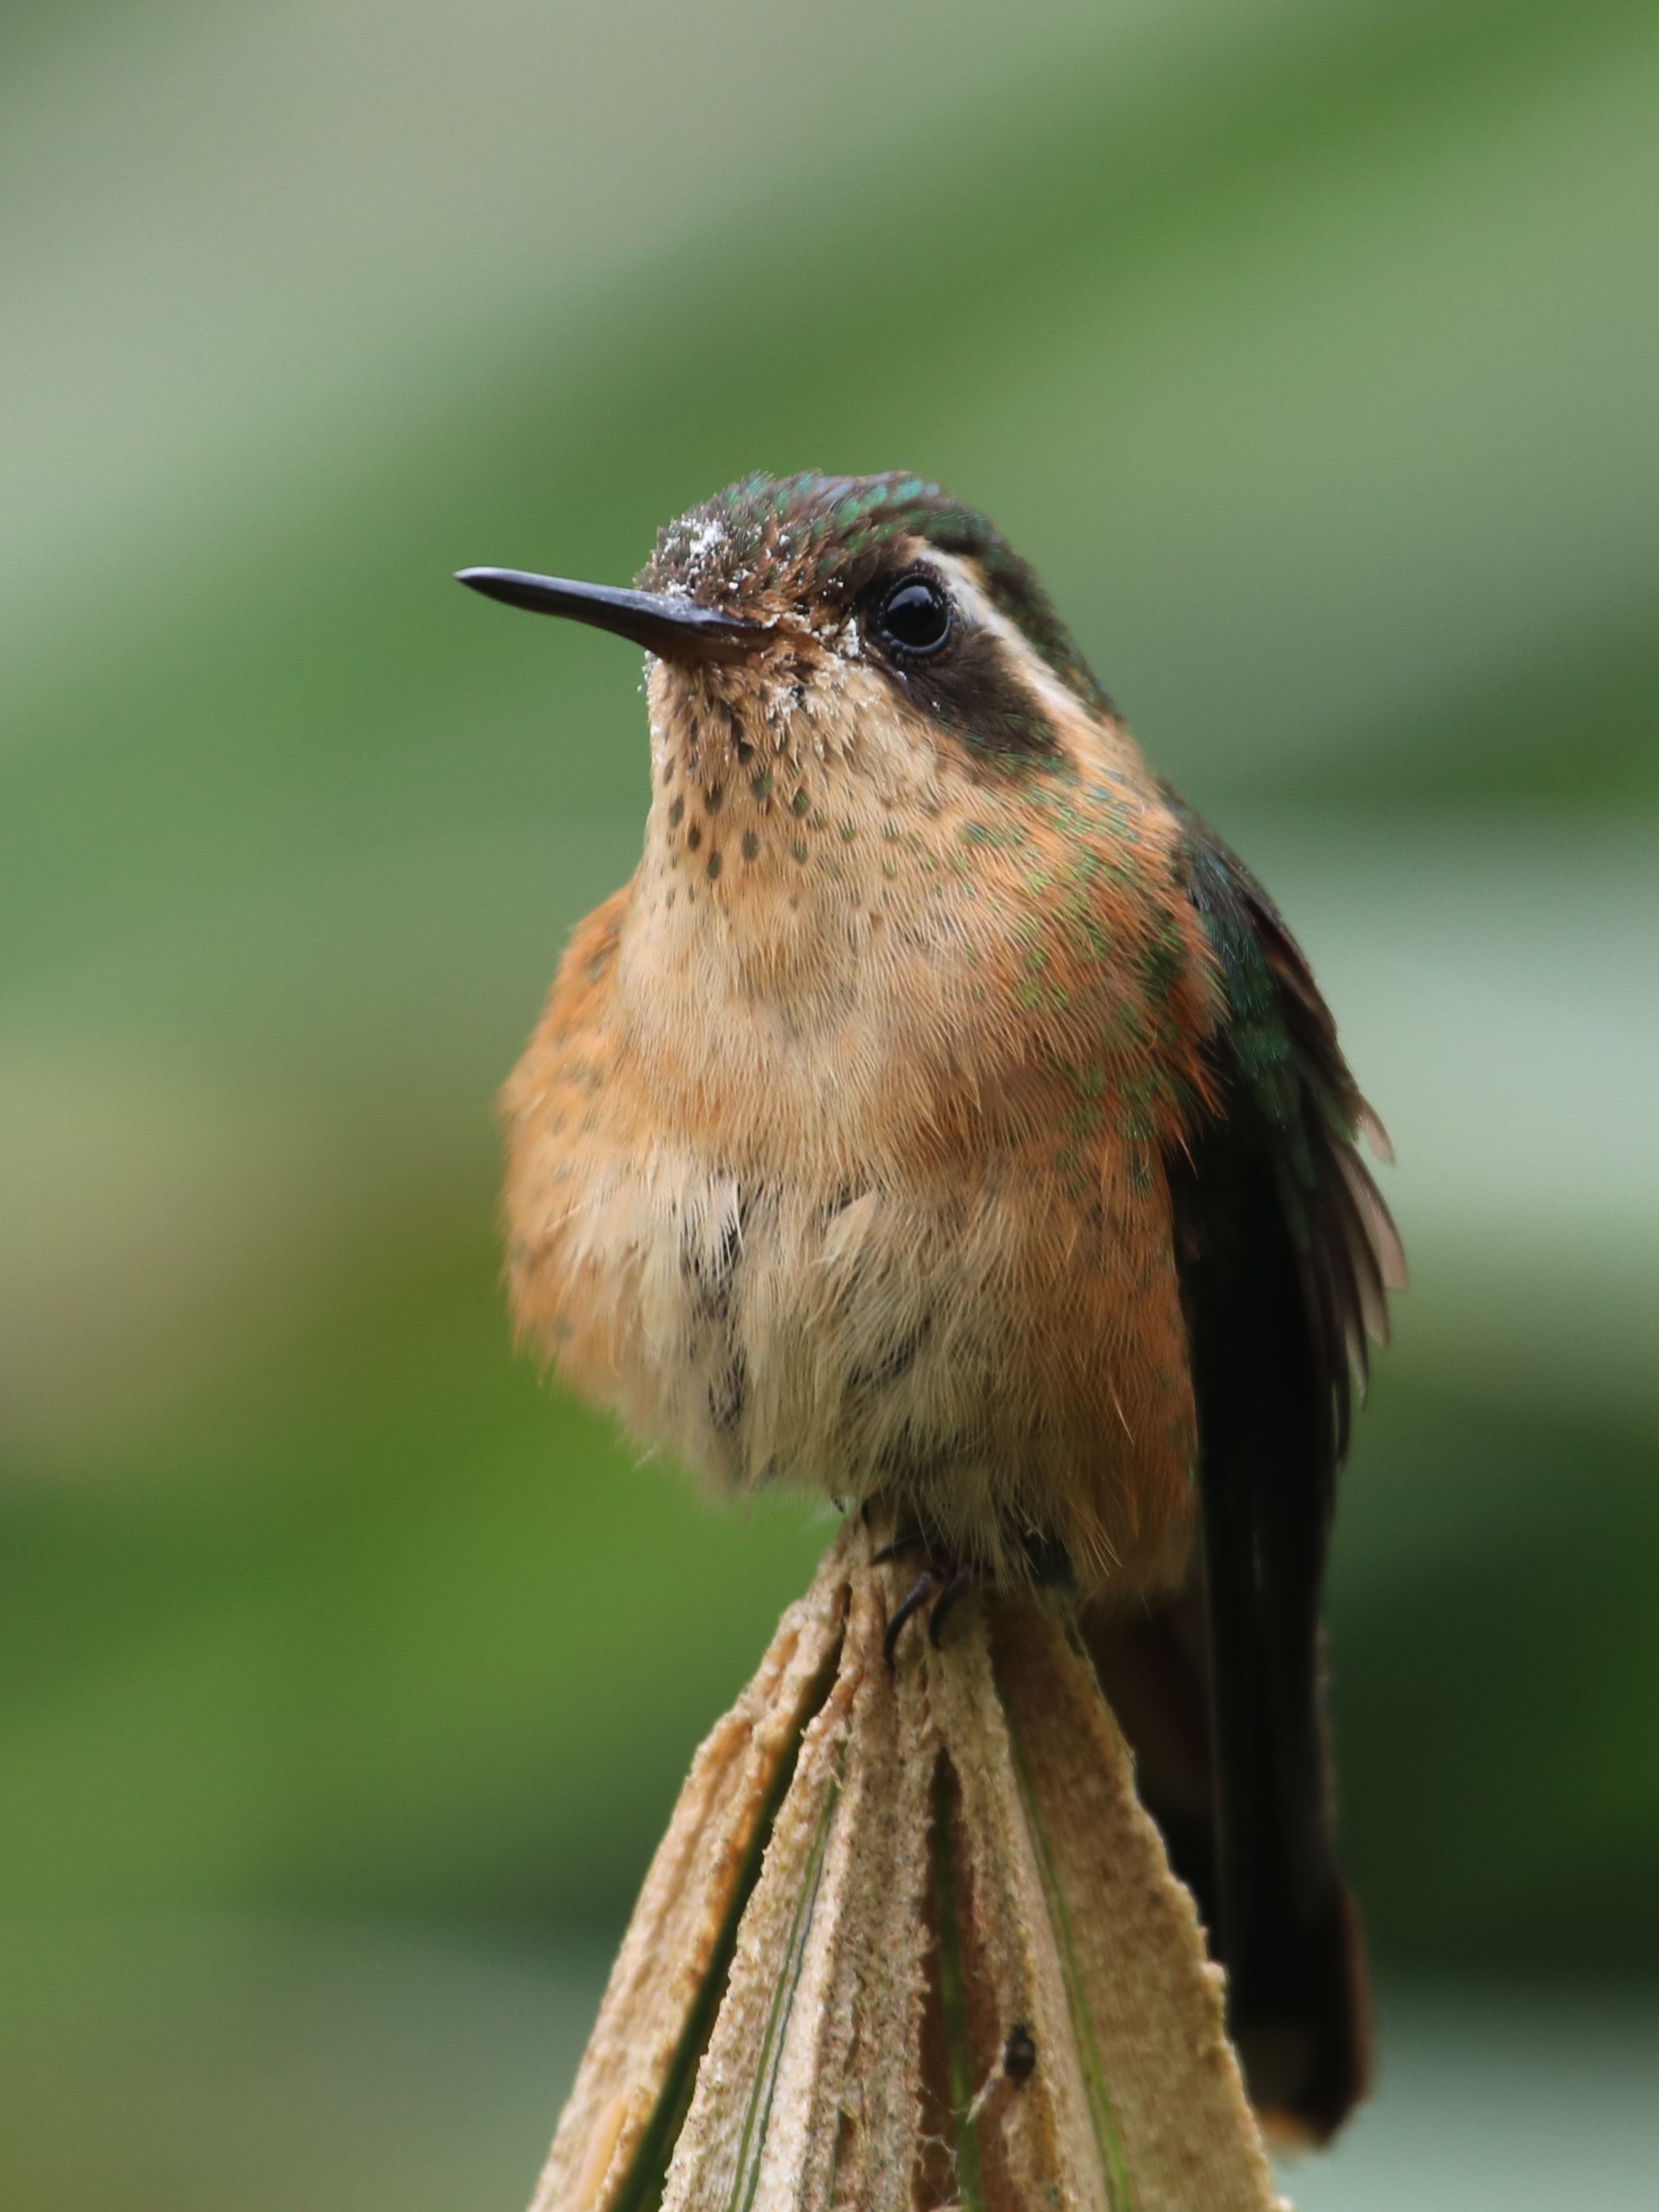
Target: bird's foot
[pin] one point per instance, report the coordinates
(944, 1579)
(938, 1590)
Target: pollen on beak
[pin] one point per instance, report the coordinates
(674, 629)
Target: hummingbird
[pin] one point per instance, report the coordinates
(943, 1118)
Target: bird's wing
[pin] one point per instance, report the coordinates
(1286, 1254)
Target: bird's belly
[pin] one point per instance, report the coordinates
(982, 1348)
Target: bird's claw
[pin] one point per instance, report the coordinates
(940, 1587)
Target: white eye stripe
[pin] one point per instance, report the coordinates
(1061, 704)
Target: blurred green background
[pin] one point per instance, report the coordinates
(1310, 351)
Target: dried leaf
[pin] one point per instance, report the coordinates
(623, 2115)
(910, 1942)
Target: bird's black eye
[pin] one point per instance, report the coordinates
(913, 616)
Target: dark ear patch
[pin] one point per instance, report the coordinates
(970, 690)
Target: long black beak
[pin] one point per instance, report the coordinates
(674, 629)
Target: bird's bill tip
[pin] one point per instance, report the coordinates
(674, 629)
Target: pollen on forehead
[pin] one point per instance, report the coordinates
(703, 549)
(815, 540)
(721, 545)
(794, 535)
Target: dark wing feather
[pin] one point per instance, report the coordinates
(1286, 1254)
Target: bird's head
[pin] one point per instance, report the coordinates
(867, 720)
(812, 621)
(887, 800)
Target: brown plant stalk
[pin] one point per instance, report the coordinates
(910, 1942)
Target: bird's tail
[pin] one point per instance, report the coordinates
(1299, 1994)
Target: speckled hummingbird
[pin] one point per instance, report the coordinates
(943, 1117)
